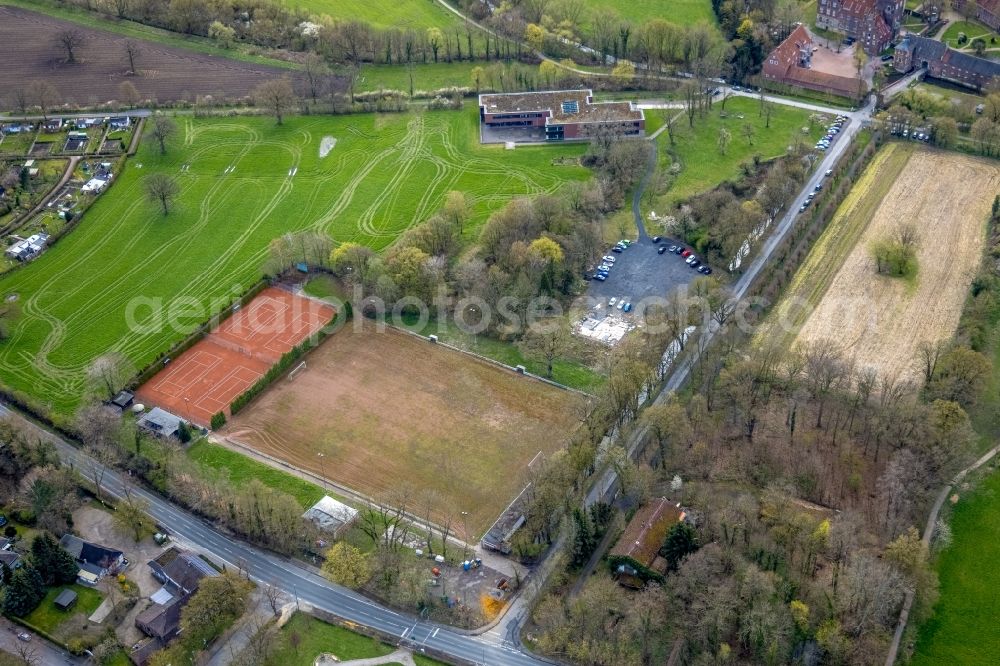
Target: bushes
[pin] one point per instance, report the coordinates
(218, 420)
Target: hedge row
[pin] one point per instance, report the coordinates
(643, 572)
(286, 361)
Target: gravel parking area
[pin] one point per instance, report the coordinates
(640, 273)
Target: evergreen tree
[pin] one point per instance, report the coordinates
(24, 592)
(56, 566)
(680, 542)
(5, 573)
(583, 539)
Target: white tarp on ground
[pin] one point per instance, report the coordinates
(608, 330)
(330, 515)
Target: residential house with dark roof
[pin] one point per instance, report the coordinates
(987, 11)
(872, 23)
(790, 63)
(942, 62)
(180, 572)
(94, 559)
(635, 558)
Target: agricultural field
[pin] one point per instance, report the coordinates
(963, 627)
(703, 166)
(679, 12)
(403, 14)
(881, 321)
(166, 73)
(392, 412)
(245, 182)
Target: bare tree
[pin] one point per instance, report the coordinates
(277, 96)
(164, 128)
(316, 71)
(161, 188)
(273, 595)
(28, 654)
(43, 95)
(131, 52)
(20, 100)
(108, 373)
(121, 8)
(70, 40)
(129, 94)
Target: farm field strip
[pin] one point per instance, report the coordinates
(391, 412)
(402, 14)
(242, 183)
(880, 321)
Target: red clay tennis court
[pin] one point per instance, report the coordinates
(207, 377)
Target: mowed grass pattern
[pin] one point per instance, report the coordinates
(386, 173)
(405, 14)
(963, 629)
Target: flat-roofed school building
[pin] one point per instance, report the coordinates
(556, 115)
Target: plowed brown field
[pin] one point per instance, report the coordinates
(28, 51)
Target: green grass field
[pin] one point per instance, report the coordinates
(972, 30)
(679, 12)
(317, 637)
(406, 14)
(239, 468)
(963, 629)
(47, 617)
(427, 77)
(704, 166)
(386, 173)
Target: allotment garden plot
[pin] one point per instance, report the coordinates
(207, 377)
(243, 182)
(391, 411)
(882, 321)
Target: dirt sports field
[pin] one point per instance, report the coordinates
(28, 51)
(882, 321)
(391, 411)
(205, 379)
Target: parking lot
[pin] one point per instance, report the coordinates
(638, 273)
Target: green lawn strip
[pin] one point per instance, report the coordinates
(385, 174)
(403, 14)
(141, 31)
(16, 145)
(317, 637)
(47, 617)
(963, 629)
(678, 12)
(704, 166)
(426, 76)
(323, 286)
(240, 469)
(571, 373)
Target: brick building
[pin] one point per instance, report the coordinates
(872, 23)
(791, 64)
(944, 63)
(987, 11)
(559, 115)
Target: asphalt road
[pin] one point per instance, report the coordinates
(307, 586)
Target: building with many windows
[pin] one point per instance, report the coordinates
(942, 62)
(555, 115)
(872, 23)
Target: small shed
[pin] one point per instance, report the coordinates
(330, 515)
(160, 422)
(123, 400)
(66, 600)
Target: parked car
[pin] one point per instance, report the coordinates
(24, 636)
(3, 520)
(612, 301)
(662, 249)
(686, 253)
(690, 259)
(621, 304)
(601, 277)
(819, 186)
(695, 264)
(829, 172)
(609, 259)
(803, 207)
(657, 239)
(704, 270)
(617, 249)
(677, 249)
(626, 242)
(627, 308)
